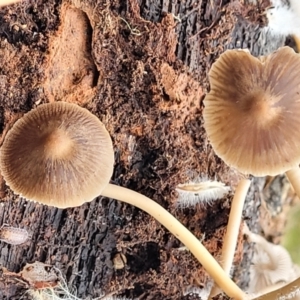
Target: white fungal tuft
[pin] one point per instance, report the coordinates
(192, 193)
(57, 293)
(284, 18)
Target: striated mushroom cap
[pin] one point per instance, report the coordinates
(58, 154)
(252, 113)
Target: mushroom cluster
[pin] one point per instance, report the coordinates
(61, 155)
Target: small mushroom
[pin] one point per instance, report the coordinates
(252, 115)
(272, 264)
(57, 154)
(61, 155)
(252, 111)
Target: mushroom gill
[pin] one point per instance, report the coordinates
(252, 112)
(58, 154)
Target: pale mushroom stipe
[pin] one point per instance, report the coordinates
(57, 134)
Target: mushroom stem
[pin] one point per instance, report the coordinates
(233, 227)
(289, 291)
(8, 2)
(181, 232)
(293, 176)
(297, 41)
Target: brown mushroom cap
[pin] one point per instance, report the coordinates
(58, 154)
(252, 113)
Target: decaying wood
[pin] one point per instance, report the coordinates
(143, 72)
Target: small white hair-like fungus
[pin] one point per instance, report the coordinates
(192, 193)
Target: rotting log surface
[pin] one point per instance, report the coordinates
(134, 76)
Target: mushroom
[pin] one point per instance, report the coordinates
(60, 155)
(272, 268)
(68, 148)
(252, 105)
(251, 119)
(272, 264)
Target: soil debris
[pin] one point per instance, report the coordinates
(70, 72)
